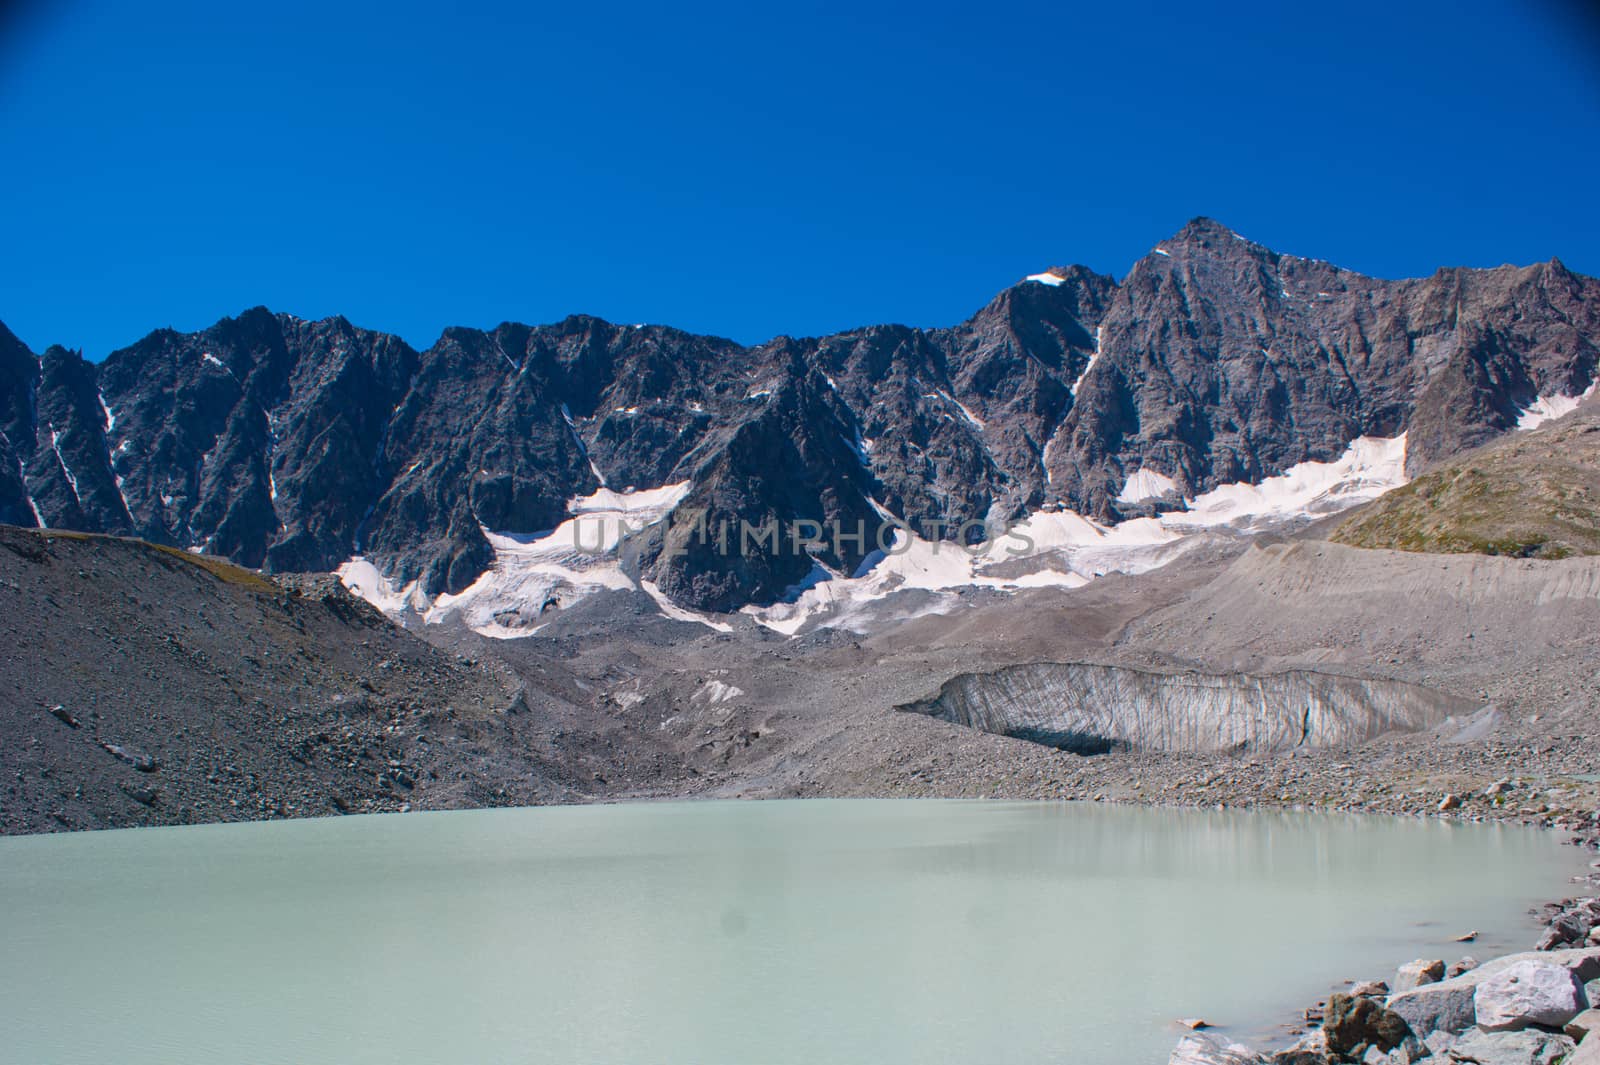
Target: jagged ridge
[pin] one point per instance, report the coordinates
(292, 445)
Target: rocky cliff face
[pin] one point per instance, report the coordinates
(292, 445)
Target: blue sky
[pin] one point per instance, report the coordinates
(755, 169)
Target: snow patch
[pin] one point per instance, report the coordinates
(972, 419)
(1063, 549)
(1145, 484)
(110, 415)
(1549, 408)
(909, 575)
(713, 692)
(531, 574)
(583, 448)
(362, 578)
(1046, 278)
(861, 446)
(1094, 357)
(1369, 467)
(55, 445)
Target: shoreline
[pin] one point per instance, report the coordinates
(1431, 1010)
(1293, 1041)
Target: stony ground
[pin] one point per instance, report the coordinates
(260, 699)
(144, 686)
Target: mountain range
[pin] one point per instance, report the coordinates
(293, 445)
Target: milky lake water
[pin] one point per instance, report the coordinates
(814, 932)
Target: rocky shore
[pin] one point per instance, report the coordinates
(1537, 1007)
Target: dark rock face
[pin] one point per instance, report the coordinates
(1224, 361)
(291, 445)
(1353, 1023)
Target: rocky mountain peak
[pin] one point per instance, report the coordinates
(295, 444)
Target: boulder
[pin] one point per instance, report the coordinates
(1588, 1053)
(1354, 1022)
(1309, 1049)
(63, 715)
(1416, 973)
(1370, 988)
(1448, 1005)
(1437, 1043)
(1409, 1052)
(1204, 1050)
(1528, 993)
(1511, 1048)
(1584, 1023)
(1570, 927)
(1294, 1056)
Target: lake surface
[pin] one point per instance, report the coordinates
(816, 932)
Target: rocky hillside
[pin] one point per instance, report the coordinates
(143, 685)
(293, 445)
(1531, 495)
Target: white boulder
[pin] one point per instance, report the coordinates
(1528, 993)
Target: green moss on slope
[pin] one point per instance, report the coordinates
(1530, 495)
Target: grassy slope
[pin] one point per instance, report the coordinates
(1529, 495)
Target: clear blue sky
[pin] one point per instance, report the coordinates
(755, 169)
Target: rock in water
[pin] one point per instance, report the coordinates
(1415, 974)
(1528, 993)
(1204, 1050)
(1354, 1022)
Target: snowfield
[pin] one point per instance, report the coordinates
(535, 575)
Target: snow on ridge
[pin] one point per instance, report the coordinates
(861, 446)
(1094, 357)
(1145, 484)
(972, 419)
(1063, 549)
(1369, 467)
(631, 500)
(1046, 278)
(583, 448)
(22, 468)
(534, 572)
(914, 576)
(1548, 408)
(55, 445)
